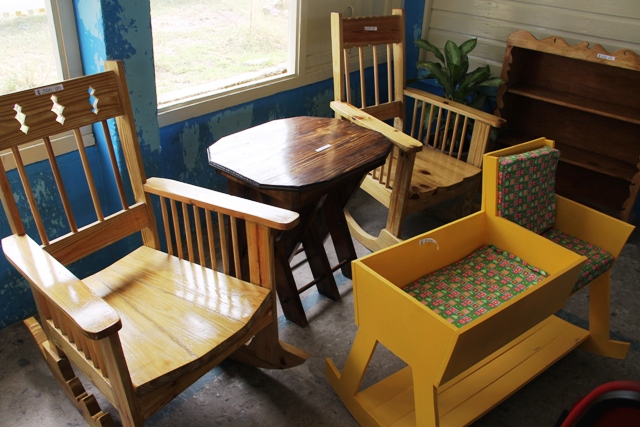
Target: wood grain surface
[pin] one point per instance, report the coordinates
(288, 153)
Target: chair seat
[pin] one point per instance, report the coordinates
(599, 260)
(469, 288)
(434, 170)
(164, 297)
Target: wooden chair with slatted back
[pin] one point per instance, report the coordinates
(146, 327)
(429, 164)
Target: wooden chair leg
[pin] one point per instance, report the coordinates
(266, 351)
(468, 203)
(599, 341)
(384, 239)
(63, 373)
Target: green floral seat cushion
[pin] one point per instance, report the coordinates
(526, 188)
(467, 289)
(599, 260)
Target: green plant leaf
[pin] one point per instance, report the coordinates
(468, 46)
(423, 44)
(493, 81)
(454, 63)
(438, 72)
(452, 72)
(478, 101)
(471, 80)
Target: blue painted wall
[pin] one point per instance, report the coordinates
(121, 29)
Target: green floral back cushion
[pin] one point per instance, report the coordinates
(463, 291)
(599, 260)
(526, 188)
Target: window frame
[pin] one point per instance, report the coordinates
(62, 25)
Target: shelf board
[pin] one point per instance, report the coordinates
(576, 102)
(602, 164)
(604, 193)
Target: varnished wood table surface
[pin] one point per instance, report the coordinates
(310, 165)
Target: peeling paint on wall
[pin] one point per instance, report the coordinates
(121, 29)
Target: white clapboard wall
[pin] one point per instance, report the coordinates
(613, 24)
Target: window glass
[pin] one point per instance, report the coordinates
(27, 59)
(207, 46)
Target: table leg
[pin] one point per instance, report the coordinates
(339, 230)
(287, 289)
(319, 264)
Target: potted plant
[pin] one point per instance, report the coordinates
(452, 73)
(458, 84)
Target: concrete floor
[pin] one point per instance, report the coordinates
(237, 395)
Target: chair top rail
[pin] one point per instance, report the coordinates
(370, 31)
(33, 114)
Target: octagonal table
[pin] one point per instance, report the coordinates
(310, 165)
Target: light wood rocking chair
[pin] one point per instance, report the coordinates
(148, 326)
(429, 164)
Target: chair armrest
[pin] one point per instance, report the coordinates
(91, 314)
(401, 140)
(454, 106)
(259, 213)
(592, 226)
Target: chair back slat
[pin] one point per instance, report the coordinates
(235, 247)
(347, 76)
(187, 232)
(199, 236)
(89, 175)
(212, 248)
(390, 72)
(224, 251)
(165, 223)
(376, 77)
(114, 165)
(26, 185)
(363, 80)
(61, 188)
(176, 230)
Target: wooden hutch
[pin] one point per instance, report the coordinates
(588, 101)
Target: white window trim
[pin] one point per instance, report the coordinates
(64, 38)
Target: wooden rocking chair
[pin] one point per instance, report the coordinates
(149, 325)
(438, 159)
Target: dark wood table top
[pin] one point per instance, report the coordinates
(298, 153)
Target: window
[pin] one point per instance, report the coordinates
(204, 46)
(40, 47)
(214, 54)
